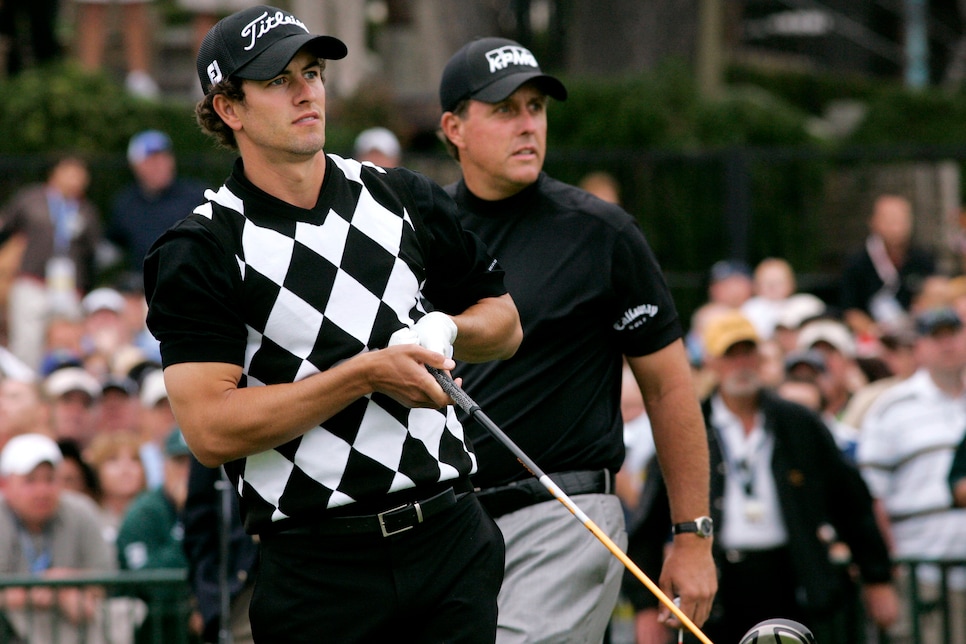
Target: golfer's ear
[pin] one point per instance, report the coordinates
(225, 108)
(450, 126)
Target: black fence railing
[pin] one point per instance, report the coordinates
(935, 601)
(124, 607)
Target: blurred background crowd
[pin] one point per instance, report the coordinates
(78, 366)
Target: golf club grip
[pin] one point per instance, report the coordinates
(460, 397)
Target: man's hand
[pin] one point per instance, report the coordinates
(689, 573)
(434, 331)
(882, 603)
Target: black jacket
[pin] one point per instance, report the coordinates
(816, 486)
(202, 527)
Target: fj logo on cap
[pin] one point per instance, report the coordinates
(214, 72)
(503, 57)
(265, 23)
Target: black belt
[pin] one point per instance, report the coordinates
(386, 523)
(520, 494)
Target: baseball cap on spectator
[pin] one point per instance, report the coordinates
(175, 445)
(808, 357)
(153, 390)
(930, 321)
(726, 268)
(257, 43)
(103, 298)
(831, 332)
(120, 383)
(725, 331)
(379, 139)
(797, 309)
(489, 70)
(144, 144)
(68, 379)
(22, 454)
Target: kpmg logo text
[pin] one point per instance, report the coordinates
(503, 57)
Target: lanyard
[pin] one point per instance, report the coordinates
(63, 216)
(38, 560)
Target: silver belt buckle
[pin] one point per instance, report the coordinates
(382, 519)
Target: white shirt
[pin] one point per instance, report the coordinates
(752, 518)
(905, 451)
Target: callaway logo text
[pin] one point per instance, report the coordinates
(505, 56)
(635, 317)
(265, 23)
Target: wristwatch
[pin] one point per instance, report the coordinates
(702, 526)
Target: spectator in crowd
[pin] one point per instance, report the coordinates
(842, 376)
(131, 286)
(156, 200)
(48, 532)
(151, 536)
(93, 26)
(379, 146)
(957, 475)
(880, 280)
(566, 254)
(61, 228)
(773, 283)
(796, 311)
(105, 330)
(119, 409)
(205, 13)
(777, 478)
(75, 473)
(22, 409)
(73, 395)
(116, 462)
(730, 283)
(156, 420)
(638, 441)
(897, 352)
(602, 185)
(28, 34)
(209, 575)
(906, 446)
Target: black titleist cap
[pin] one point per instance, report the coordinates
(257, 43)
(489, 70)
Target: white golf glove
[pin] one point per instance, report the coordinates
(434, 331)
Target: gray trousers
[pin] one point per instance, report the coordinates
(561, 583)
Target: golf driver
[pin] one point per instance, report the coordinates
(464, 402)
(778, 631)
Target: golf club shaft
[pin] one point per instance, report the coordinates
(464, 402)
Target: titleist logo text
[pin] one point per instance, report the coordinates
(265, 23)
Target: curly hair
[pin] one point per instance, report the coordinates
(208, 119)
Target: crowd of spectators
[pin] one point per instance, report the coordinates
(883, 369)
(78, 367)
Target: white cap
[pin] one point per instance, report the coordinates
(832, 332)
(70, 379)
(103, 298)
(798, 308)
(379, 139)
(22, 454)
(153, 390)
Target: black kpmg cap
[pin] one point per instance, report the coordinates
(257, 43)
(489, 70)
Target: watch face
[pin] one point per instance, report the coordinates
(705, 526)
